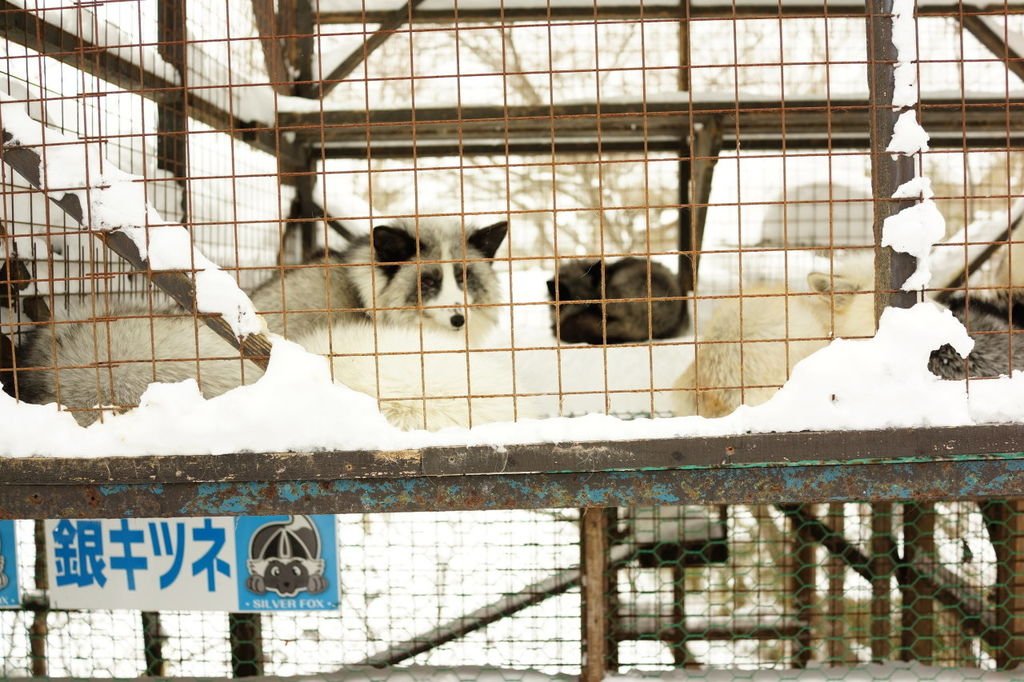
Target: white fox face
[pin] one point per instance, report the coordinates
(435, 273)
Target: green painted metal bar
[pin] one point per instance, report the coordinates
(957, 479)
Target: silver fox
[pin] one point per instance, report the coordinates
(997, 327)
(631, 299)
(86, 363)
(406, 273)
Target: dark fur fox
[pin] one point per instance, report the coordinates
(997, 327)
(597, 318)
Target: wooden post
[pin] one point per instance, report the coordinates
(680, 649)
(881, 583)
(245, 633)
(598, 641)
(1006, 528)
(273, 52)
(172, 107)
(295, 25)
(39, 628)
(153, 645)
(802, 589)
(835, 569)
(917, 627)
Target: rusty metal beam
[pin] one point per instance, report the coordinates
(917, 609)
(883, 549)
(595, 562)
(696, 172)
(994, 41)
(283, 490)
(178, 285)
(388, 25)
(1005, 519)
(548, 11)
(508, 605)
(999, 443)
(637, 126)
(698, 630)
(273, 51)
(173, 109)
(28, 29)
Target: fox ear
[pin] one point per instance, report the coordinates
(594, 270)
(836, 287)
(393, 244)
(486, 240)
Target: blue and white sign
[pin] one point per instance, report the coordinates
(203, 564)
(10, 596)
(291, 562)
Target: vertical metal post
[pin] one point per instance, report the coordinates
(696, 172)
(1006, 529)
(836, 571)
(891, 268)
(171, 156)
(687, 271)
(882, 546)
(172, 106)
(153, 644)
(598, 643)
(245, 633)
(802, 588)
(39, 628)
(917, 627)
(680, 648)
(295, 23)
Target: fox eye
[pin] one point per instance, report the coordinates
(428, 281)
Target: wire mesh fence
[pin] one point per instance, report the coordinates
(491, 212)
(705, 589)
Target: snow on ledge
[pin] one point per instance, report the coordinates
(876, 383)
(113, 200)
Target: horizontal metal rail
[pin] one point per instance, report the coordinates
(29, 29)
(543, 12)
(897, 464)
(638, 126)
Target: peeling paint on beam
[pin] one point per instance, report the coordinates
(765, 449)
(923, 481)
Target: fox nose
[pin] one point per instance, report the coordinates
(457, 320)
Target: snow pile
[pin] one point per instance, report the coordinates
(905, 41)
(909, 137)
(295, 405)
(113, 200)
(913, 230)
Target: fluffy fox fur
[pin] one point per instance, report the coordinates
(404, 273)
(710, 386)
(88, 364)
(622, 322)
(998, 344)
